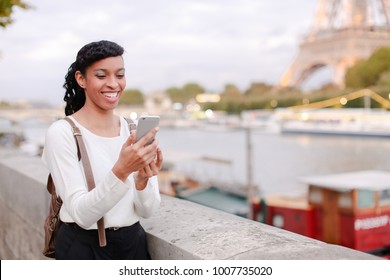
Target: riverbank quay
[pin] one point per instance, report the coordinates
(179, 230)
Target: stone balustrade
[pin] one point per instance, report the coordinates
(179, 230)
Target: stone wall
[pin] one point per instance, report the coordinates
(23, 205)
(179, 230)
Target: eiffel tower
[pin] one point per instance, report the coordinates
(344, 31)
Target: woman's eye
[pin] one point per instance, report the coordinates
(100, 76)
(120, 76)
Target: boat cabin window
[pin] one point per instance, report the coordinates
(366, 199)
(315, 196)
(278, 221)
(384, 198)
(345, 200)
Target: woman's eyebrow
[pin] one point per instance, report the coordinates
(104, 69)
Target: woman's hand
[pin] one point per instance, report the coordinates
(138, 156)
(142, 176)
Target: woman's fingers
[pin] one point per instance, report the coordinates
(148, 138)
(159, 159)
(147, 159)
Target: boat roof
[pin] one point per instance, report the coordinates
(288, 202)
(374, 180)
(218, 199)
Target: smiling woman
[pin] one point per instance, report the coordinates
(95, 66)
(124, 171)
(104, 78)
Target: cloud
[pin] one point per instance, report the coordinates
(53, 48)
(168, 43)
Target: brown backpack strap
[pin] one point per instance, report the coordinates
(88, 175)
(52, 189)
(50, 185)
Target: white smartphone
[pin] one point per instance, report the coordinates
(145, 124)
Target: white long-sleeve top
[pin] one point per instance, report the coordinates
(119, 202)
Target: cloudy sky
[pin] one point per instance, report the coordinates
(167, 42)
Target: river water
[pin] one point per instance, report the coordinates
(279, 161)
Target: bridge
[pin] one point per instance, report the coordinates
(50, 114)
(367, 94)
(17, 115)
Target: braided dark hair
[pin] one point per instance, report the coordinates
(87, 55)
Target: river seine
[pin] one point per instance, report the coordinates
(279, 161)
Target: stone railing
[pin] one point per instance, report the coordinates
(179, 230)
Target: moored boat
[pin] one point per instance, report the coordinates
(349, 209)
(347, 122)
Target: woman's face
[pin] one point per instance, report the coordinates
(104, 82)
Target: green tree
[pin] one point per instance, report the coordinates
(193, 89)
(378, 63)
(6, 10)
(368, 72)
(186, 93)
(354, 77)
(175, 94)
(384, 79)
(258, 89)
(132, 97)
(231, 92)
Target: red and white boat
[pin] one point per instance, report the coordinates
(348, 209)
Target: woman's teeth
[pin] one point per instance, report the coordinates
(111, 95)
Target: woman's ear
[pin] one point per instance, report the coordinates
(80, 79)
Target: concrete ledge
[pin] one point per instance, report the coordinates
(184, 230)
(179, 230)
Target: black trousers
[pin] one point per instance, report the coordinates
(76, 243)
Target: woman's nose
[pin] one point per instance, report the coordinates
(112, 82)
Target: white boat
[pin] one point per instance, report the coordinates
(350, 122)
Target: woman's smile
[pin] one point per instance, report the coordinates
(111, 95)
